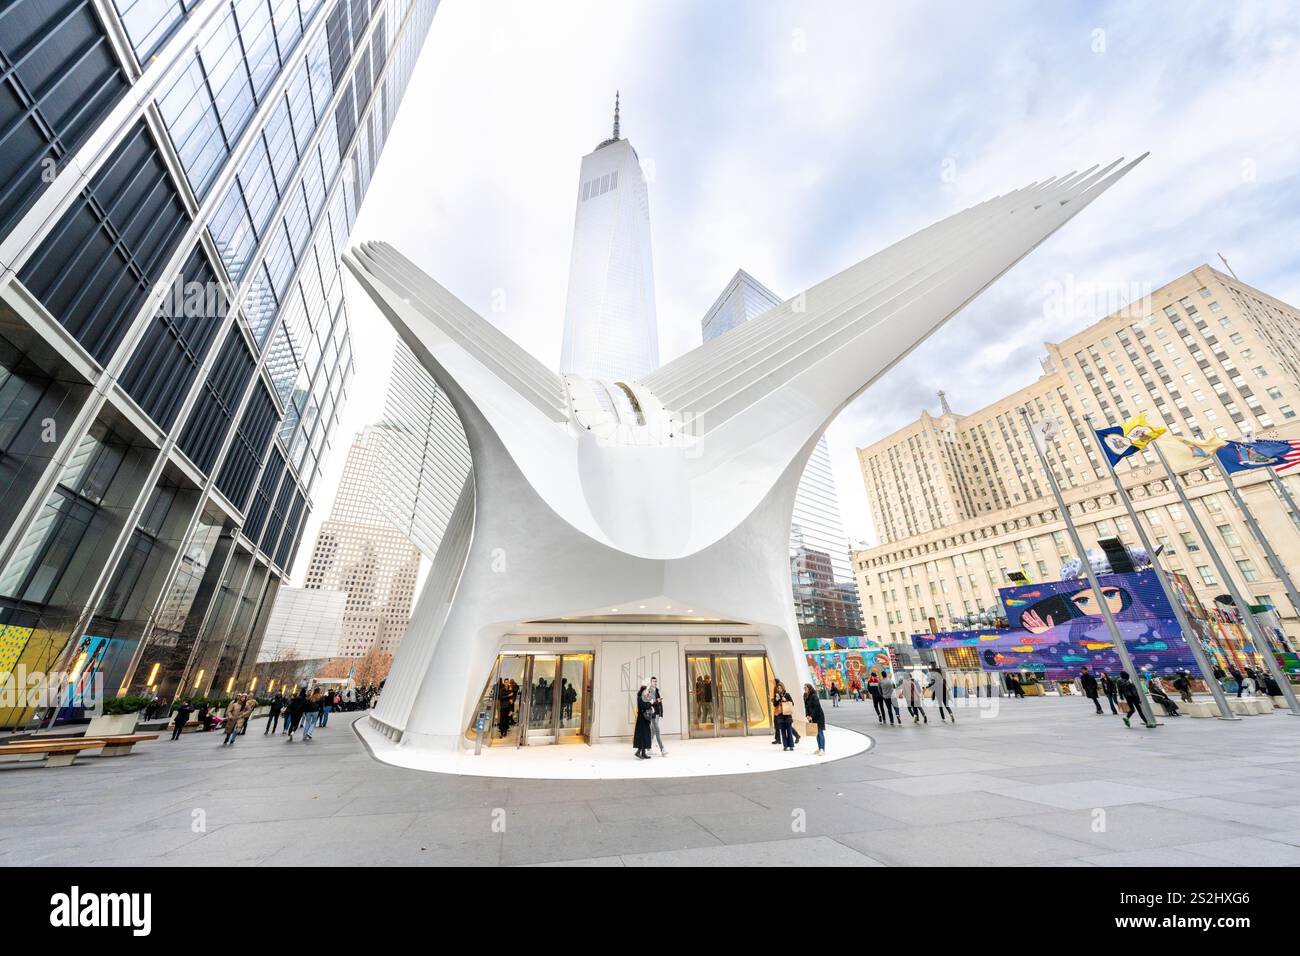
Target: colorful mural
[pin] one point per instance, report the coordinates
(12, 641)
(1056, 628)
(842, 660)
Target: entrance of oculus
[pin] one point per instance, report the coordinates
(730, 695)
(537, 699)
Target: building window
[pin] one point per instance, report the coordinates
(1207, 576)
(167, 360)
(58, 79)
(106, 254)
(210, 420)
(1247, 569)
(1229, 535)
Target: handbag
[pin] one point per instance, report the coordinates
(810, 729)
(787, 708)
(1125, 707)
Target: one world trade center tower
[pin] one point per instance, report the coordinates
(610, 329)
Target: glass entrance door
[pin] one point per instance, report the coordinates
(509, 693)
(729, 696)
(539, 699)
(573, 699)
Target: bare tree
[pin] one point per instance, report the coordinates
(374, 667)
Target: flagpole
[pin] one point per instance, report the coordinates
(1190, 636)
(1286, 497)
(1248, 619)
(1274, 561)
(1144, 706)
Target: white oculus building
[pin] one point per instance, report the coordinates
(595, 544)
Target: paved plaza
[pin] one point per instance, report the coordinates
(1042, 782)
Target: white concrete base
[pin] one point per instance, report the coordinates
(1199, 708)
(1250, 706)
(686, 758)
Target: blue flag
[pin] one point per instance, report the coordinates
(1113, 443)
(1120, 441)
(1266, 453)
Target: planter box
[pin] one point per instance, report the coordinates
(112, 724)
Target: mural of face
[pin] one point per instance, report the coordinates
(1086, 601)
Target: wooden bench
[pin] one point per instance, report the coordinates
(115, 745)
(58, 753)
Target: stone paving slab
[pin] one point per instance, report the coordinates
(1019, 788)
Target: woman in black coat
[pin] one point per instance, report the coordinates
(812, 707)
(645, 709)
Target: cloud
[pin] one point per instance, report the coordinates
(795, 139)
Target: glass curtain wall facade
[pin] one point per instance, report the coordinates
(825, 593)
(179, 181)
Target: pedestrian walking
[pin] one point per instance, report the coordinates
(311, 713)
(1089, 684)
(326, 705)
(183, 711)
(1237, 676)
(877, 698)
(273, 718)
(236, 713)
(835, 694)
(913, 698)
(657, 718)
(1111, 690)
(938, 688)
(641, 733)
(812, 708)
(1183, 684)
(297, 707)
(888, 698)
(1128, 692)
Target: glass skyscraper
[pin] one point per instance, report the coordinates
(826, 601)
(179, 178)
(610, 326)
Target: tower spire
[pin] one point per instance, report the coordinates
(615, 114)
(944, 407)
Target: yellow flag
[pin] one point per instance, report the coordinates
(1184, 454)
(1139, 433)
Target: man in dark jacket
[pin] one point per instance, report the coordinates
(1129, 692)
(877, 700)
(183, 711)
(1089, 684)
(938, 686)
(273, 718)
(1237, 676)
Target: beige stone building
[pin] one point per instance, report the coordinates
(360, 552)
(959, 501)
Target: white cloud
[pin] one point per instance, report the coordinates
(795, 139)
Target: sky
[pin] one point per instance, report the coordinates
(796, 139)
